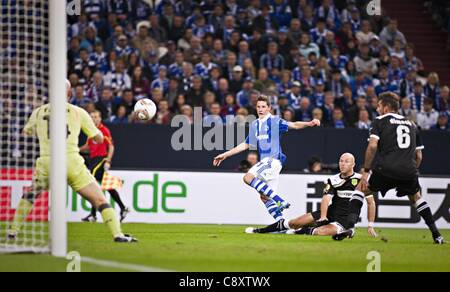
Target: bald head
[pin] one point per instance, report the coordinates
(346, 164)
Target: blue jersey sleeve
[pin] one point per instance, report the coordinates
(284, 127)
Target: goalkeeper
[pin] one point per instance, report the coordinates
(78, 176)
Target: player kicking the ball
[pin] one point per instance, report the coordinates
(330, 219)
(78, 176)
(265, 137)
(395, 142)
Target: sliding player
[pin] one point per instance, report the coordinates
(265, 137)
(100, 157)
(78, 176)
(396, 143)
(330, 219)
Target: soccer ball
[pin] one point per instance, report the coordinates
(145, 109)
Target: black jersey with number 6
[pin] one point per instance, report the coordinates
(398, 140)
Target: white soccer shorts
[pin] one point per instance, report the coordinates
(268, 170)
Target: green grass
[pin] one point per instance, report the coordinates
(227, 248)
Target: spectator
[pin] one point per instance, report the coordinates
(364, 123)
(187, 111)
(338, 121)
(417, 97)
(304, 112)
(365, 35)
(106, 103)
(428, 117)
(163, 116)
(443, 102)
(249, 162)
(128, 101)
(390, 33)
(120, 117)
(314, 165)
(195, 95)
(317, 113)
(364, 61)
(432, 87)
(407, 111)
(140, 84)
(237, 81)
(230, 108)
(272, 60)
(442, 123)
(178, 103)
(118, 80)
(307, 47)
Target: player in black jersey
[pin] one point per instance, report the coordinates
(396, 144)
(330, 219)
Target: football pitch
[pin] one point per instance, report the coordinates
(225, 248)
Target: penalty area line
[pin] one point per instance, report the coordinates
(122, 266)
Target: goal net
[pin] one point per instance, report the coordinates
(24, 86)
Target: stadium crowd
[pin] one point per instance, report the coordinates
(320, 59)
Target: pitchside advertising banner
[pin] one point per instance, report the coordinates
(223, 198)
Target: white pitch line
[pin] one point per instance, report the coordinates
(122, 266)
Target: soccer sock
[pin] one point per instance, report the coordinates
(425, 212)
(264, 189)
(273, 210)
(356, 203)
(110, 218)
(93, 212)
(306, 231)
(275, 227)
(21, 214)
(116, 197)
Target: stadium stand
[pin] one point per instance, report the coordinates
(316, 55)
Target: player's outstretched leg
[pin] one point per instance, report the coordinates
(272, 208)
(22, 212)
(425, 212)
(279, 226)
(264, 189)
(94, 195)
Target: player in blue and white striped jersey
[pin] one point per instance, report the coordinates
(265, 137)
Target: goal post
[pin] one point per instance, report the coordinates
(33, 69)
(58, 128)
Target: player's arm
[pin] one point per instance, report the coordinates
(302, 125)
(369, 157)
(88, 127)
(30, 126)
(419, 148)
(371, 211)
(110, 154)
(236, 150)
(328, 193)
(84, 148)
(326, 199)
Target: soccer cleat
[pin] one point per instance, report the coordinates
(283, 206)
(89, 218)
(439, 240)
(350, 233)
(126, 238)
(11, 236)
(291, 231)
(250, 230)
(123, 214)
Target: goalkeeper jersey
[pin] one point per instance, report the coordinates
(77, 120)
